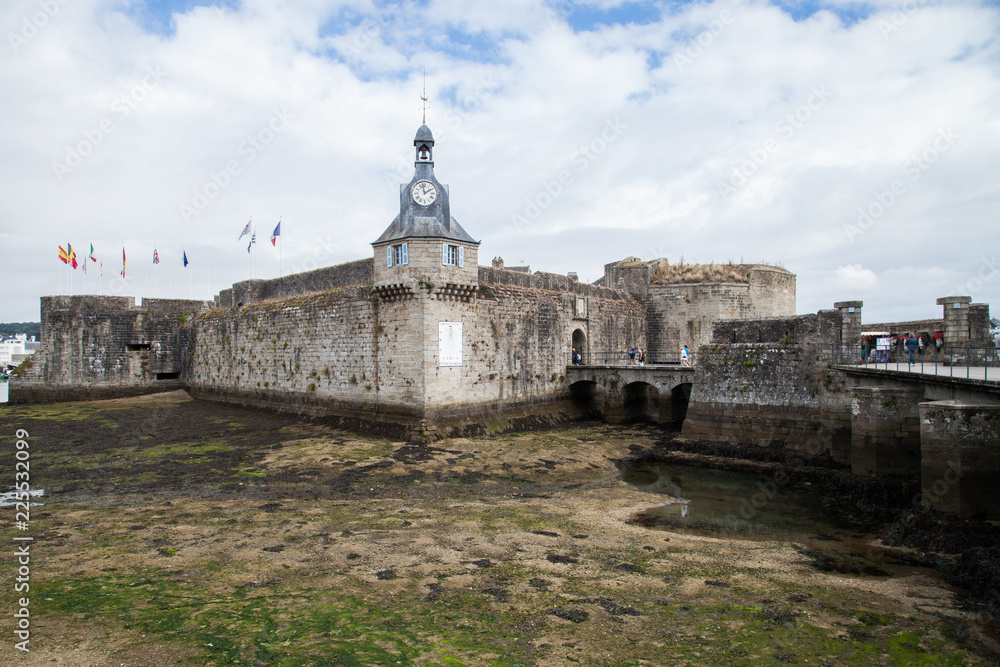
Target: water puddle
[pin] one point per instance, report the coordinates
(9, 498)
(737, 505)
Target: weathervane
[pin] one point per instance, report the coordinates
(423, 97)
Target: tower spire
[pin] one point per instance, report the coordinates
(423, 97)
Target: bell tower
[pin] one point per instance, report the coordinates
(425, 243)
(426, 286)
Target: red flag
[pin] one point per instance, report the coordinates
(63, 255)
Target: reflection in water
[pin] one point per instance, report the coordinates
(720, 503)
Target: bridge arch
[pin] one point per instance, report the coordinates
(641, 402)
(675, 408)
(590, 397)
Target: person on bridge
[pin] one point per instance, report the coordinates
(685, 357)
(911, 347)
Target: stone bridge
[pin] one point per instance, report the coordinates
(632, 392)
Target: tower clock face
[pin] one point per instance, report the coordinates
(424, 193)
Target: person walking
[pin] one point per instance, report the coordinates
(685, 356)
(911, 347)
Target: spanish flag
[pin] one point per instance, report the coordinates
(72, 255)
(63, 255)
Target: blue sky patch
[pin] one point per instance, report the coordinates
(849, 13)
(584, 18)
(155, 15)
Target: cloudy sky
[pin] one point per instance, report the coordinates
(856, 144)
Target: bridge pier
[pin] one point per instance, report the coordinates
(885, 431)
(961, 457)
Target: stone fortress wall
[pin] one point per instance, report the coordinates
(105, 346)
(768, 380)
(342, 352)
(338, 350)
(684, 301)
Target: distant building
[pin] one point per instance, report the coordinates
(16, 349)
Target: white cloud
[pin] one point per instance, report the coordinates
(515, 95)
(855, 279)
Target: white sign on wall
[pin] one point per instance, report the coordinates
(449, 343)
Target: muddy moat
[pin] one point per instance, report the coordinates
(177, 532)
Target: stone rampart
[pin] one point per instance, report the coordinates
(105, 346)
(772, 385)
(346, 354)
(684, 313)
(822, 328)
(543, 281)
(359, 272)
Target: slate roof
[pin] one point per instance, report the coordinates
(422, 227)
(424, 135)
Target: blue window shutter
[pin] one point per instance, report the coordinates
(461, 256)
(406, 258)
(388, 255)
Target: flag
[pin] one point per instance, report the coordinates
(156, 257)
(123, 261)
(92, 258)
(185, 259)
(72, 255)
(63, 255)
(253, 240)
(84, 265)
(276, 233)
(246, 230)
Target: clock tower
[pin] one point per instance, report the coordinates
(424, 243)
(426, 284)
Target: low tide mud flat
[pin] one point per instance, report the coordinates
(182, 532)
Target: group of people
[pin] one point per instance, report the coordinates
(636, 356)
